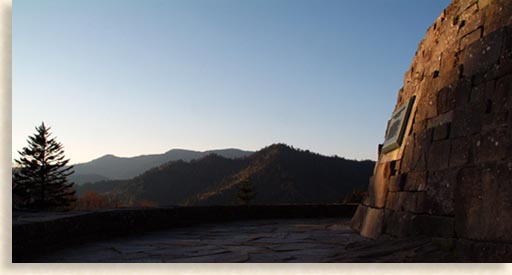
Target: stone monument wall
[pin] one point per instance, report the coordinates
(451, 177)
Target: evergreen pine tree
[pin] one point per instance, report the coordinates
(246, 192)
(40, 178)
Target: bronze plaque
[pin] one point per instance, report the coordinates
(396, 126)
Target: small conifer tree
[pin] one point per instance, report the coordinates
(246, 192)
(40, 178)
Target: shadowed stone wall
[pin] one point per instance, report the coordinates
(35, 233)
(452, 176)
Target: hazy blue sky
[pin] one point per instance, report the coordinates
(141, 77)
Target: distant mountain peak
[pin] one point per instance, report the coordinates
(174, 150)
(107, 156)
(277, 149)
(279, 146)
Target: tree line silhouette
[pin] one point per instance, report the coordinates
(276, 174)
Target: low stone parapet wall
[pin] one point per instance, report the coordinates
(35, 233)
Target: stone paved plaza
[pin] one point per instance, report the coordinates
(290, 240)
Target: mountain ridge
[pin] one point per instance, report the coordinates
(281, 174)
(111, 167)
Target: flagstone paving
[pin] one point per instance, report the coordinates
(286, 240)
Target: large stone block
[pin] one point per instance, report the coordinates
(461, 92)
(411, 82)
(446, 100)
(372, 223)
(407, 156)
(469, 20)
(419, 126)
(404, 201)
(459, 154)
(393, 201)
(483, 54)
(484, 3)
(440, 120)
(470, 38)
(483, 202)
(475, 251)
(450, 12)
(479, 96)
(502, 95)
(427, 104)
(414, 202)
(491, 145)
(395, 183)
(439, 155)
(357, 221)
(505, 64)
(421, 203)
(466, 122)
(427, 48)
(366, 200)
(468, 193)
(448, 30)
(394, 167)
(448, 70)
(444, 244)
(497, 14)
(442, 132)
(435, 226)
(465, 4)
(416, 181)
(422, 143)
(378, 188)
(498, 103)
(399, 223)
(447, 35)
(491, 103)
(440, 192)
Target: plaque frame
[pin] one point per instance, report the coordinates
(397, 125)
